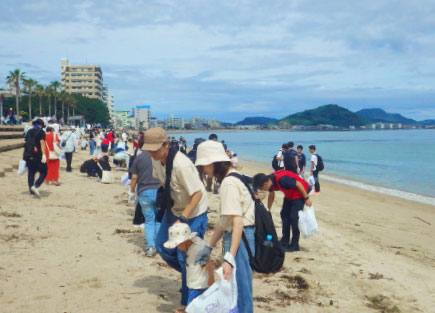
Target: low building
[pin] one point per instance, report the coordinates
(122, 119)
(174, 122)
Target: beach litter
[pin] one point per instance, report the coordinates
(382, 303)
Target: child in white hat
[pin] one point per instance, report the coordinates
(199, 278)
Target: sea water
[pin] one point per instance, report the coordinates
(394, 162)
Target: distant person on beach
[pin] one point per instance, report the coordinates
(188, 194)
(198, 279)
(69, 139)
(52, 139)
(291, 158)
(34, 155)
(314, 170)
(302, 161)
(280, 156)
(236, 217)
(210, 180)
(145, 186)
(295, 191)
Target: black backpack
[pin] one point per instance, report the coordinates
(163, 198)
(30, 144)
(275, 165)
(267, 259)
(320, 166)
(289, 160)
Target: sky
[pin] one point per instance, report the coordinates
(232, 59)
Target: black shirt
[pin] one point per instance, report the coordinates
(40, 135)
(302, 161)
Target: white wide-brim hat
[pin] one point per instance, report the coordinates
(210, 151)
(177, 234)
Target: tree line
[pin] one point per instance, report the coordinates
(34, 99)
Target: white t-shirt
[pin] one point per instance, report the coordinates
(280, 155)
(196, 275)
(124, 137)
(235, 200)
(185, 182)
(314, 159)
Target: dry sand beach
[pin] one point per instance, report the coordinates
(75, 251)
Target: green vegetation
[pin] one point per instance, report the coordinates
(48, 101)
(330, 114)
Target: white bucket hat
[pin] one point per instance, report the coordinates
(210, 151)
(178, 233)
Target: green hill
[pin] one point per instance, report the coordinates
(330, 114)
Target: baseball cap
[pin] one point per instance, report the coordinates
(154, 138)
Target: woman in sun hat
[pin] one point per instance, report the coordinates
(236, 216)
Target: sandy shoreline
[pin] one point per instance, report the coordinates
(75, 251)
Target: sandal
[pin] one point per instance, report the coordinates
(57, 183)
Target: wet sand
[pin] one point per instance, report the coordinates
(75, 251)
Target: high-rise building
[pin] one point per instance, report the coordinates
(86, 80)
(142, 116)
(174, 122)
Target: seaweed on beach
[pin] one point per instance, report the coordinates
(127, 231)
(9, 214)
(383, 304)
(296, 282)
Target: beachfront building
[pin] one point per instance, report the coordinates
(109, 101)
(85, 80)
(121, 119)
(174, 122)
(153, 122)
(142, 116)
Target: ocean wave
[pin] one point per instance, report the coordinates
(382, 190)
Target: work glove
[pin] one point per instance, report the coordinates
(131, 196)
(203, 255)
(44, 159)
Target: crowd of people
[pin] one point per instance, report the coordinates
(169, 186)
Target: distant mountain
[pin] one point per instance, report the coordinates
(427, 123)
(257, 121)
(330, 114)
(379, 115)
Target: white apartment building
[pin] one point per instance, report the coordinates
(174, 122)
(86, 80)
(142, 116)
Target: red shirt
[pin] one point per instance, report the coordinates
(110, 137)
(290, 194)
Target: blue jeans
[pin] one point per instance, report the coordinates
(243, 270)
(176, 258)
(91, 147)
(147, 201)
(193, 293)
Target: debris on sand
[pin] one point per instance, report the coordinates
(127, 231)
(261, 299)
(382, 304)
(296, 282)
(9, 214)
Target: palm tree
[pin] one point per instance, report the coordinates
(63, 99)
(72, 103)
(39, 89)
(48, 92)
(29, 84)
(14, 78)
(54, 86)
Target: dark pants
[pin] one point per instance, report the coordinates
(34, 166)
(290, 218)
(316, 178)
(68, 157)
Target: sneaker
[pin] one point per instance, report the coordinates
(139, 225)
(317, 192)
(35, 191)
(293, 248)
(151, 252)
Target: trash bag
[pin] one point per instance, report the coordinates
(125, 180)
(311, 180)
(307, 222)
(221, 297)
(22, 167)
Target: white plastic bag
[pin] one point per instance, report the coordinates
(125, 180)
(311, 180)
(307, 222)
(22, 167)
(221, 297)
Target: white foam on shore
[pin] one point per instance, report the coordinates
(360, 185)
(382, 190)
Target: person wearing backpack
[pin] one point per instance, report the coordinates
(316, 167)
(237, 217)
(295, 191)
(278, 160)
(34, 155)
(184, 198)
(291, 162)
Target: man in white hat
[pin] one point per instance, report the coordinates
(189, 199)
(182, 238)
